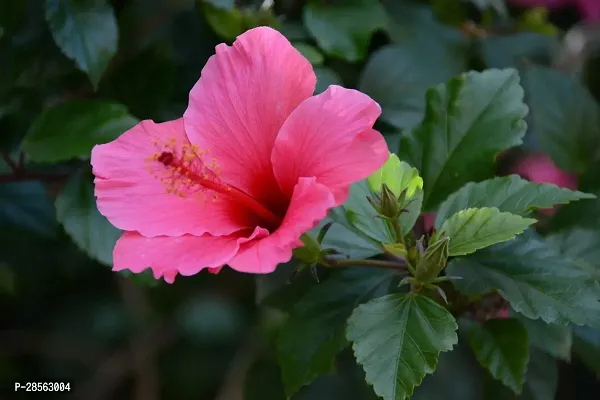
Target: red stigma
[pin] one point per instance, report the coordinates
(166, 158)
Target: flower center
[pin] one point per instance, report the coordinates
(185, 174)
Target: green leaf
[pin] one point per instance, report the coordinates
(502, 346)
(401, 90)
(76, 210)
(555, 340)
(26, 205)
(359, 216)
(467, 122)
(579, 244)
(498, 5)
(586, 345)
(314, 333)
(263, 382)
(325, 78)
(311, 53)
(476, 228)
(344, 29)
(226, 22)
(346, 239)
(70, 130)
(7, 280)
(86, 31)
(536, 280)
(505, 51)
(585, 215)
(128, 84)
(541, 381)
(565, 116)
(144, 278)
(509, 194)
(397, 339)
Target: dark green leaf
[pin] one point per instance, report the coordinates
(397, 339)
(536, 280)
(565, 116)
(585, 214)
(128, 84)
(7, 280)
(344, 29)
(586, 344)
(325, 78)
(86, 31)
(311, 53)
(226, 22)
(26, 205)
(476, 228)
(509, 194)
(357, 214)
(70, 130)
(263, 382)
(515, 50)
(541, 381)
(144, 278)
(401, 90)
(315, 332)
(502, 346)
(467, 122)
(553, 339)
(579, 244)
(458, 365)
(76, 210)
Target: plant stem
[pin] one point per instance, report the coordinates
(370, 263)
(397, 231)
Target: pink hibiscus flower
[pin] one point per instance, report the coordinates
(540, 168)
(254, 163)
(589, 9)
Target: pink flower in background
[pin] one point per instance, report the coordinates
(540, 168)
(589, 9)
(429, 221)
(254, 163)
(503, 313)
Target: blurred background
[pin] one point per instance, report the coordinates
(74, 73)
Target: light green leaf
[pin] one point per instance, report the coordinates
(509, 194)
(505, 51)
(536, 280)
(27, 205)
(398, 176)
(467, 122)
(476, 228)
(502, 346)
(70, 130)
(586, 345)
(311, 53)
(325, 78)
(86, 31)
(344, 29)
(76, 210)
(553, 339)
(397, 339)
(565, 116)
(313, 335)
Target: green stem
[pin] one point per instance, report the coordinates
(397, 231)
(371, 263)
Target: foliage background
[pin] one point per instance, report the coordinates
(74, 73)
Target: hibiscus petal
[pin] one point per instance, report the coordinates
(309, 205)
(186, 255)
(330, 136)
(244, 95)
(133, 199)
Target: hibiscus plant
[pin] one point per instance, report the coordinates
(405, 193)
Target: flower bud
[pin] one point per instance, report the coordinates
(433, 261)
